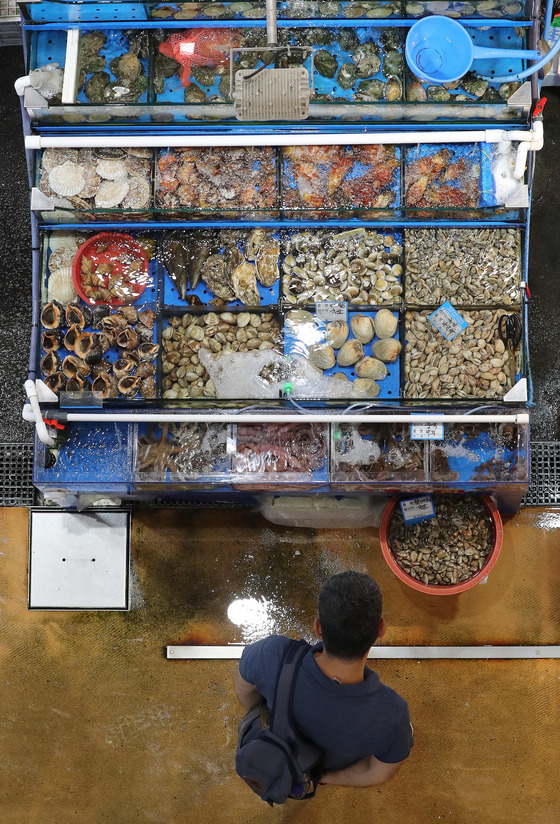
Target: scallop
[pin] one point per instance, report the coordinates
(362, 328)
(67, 180)
(364, 387)
(369, 367)
(61, 286)
(111, 168)
(336, 333)
(111, 193)
(351, 352)
(386, 350)
(385, 324)
(321, 355)
(138, 195)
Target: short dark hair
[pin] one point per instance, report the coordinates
(350, 606)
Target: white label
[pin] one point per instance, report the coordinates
(328, 311)
(418, 509)
(426, 431)
(448, 321)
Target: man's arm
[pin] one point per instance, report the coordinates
(246, 692)
(365, 773)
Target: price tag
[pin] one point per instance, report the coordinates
(426, 431)
(448, 321)
(328, 311)
(418, 509)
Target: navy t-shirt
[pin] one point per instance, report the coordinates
(348, 721)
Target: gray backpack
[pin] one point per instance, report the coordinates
(273, 758)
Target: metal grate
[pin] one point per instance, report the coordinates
(16, 471)
(544, 488)
(8, 10)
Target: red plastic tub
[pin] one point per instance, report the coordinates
(122, 250)
(444, 589)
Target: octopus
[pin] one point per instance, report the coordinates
(280, 448)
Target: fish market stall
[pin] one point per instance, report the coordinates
(228, 305)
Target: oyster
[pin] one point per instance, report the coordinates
(52, 315)
(386, 350)
(348, 40)
(385, 324)
(438, 93)
(129, 386)
(56, 382)
(217, 278)
(326, 63)
(351, 352)
(507, 89)
(362, 328)
(253, 244)
(244, 284)
(67, 180)
(194, 94)
(474, 85)
(370, 90)
(369, 367)
(72, 365)
(148, 351)
(61, 285)
(51, 340)
(128, 338)
(267, 262)
(364, 387)
(347, 75)
(94, 89)
(50, 363)
(105, 386)
(321, 355)
(336, 333)
(71, 337)
(392, 63)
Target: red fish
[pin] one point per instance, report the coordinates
(200, 47)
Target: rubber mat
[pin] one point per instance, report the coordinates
(98, 726)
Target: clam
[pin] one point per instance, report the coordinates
(50, 363)
(351, 352)
(105, 386)
(365, 388)
(56, 382)
(385, 324)
(362, 328)
(72, 365)
(129, 386)
(340, 376)
(369, 367)
(52, 315)
(321, 355)
(336, 333)
(297, 316)
(386, 350)
(128, 338)
(51, 340)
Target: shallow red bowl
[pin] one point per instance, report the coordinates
(119, 244)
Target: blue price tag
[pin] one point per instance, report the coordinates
(415, 510)
(448, 321)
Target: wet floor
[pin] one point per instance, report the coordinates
(98, 725)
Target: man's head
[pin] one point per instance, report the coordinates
(350, 606)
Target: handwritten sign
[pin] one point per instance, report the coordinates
(426, 431)
(415, 510)
(328, 310)
(448, 321)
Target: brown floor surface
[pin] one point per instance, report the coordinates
(97, 726)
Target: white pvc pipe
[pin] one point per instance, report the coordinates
(487, 652)
(264, 418)
(37, 141)
(21, 84)
(40, 425)
(70, 82)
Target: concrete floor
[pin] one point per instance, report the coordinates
(99, 727)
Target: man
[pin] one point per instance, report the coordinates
(339, 703)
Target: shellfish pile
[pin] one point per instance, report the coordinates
(207, 179)
(329, 177)
(364, 355)
(126, 80)
(78, 360)
(182, 450)
(186, 335)
(254, 11)
(360, 266)
(377, 452)
(102, 178)
(472, 365)
(447, 549)
(463, 8)
(467, 267)
(468, 89)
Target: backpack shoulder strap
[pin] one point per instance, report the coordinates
(281, 715)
